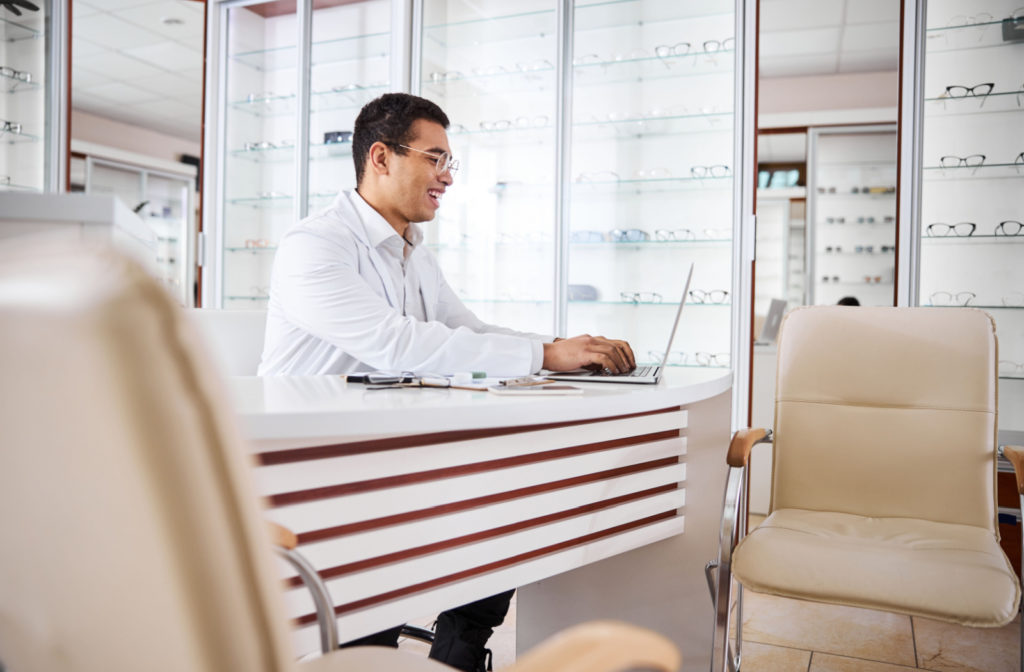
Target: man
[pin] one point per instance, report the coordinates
(353, 289)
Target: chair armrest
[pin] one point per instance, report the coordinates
(282, 536)
(1015, 454)
(742, 442)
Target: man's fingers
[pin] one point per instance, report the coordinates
(610, 356)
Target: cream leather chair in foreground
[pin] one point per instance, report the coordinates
(132, 538)
(883, 483)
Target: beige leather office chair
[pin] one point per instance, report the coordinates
(132, 538)
(883, 477)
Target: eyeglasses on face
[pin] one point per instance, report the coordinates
(445, 163)
(628, 235)
(958, 229)
(1009, 228)
(709, 296)
(640, 297)
(951, 299)
(971, 161)
(958, 91)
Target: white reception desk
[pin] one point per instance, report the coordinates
(410, 501)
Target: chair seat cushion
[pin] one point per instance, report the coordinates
(953, 573)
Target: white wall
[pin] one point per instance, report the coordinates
(102, 131)
(859, 97)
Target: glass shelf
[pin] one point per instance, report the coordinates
(1011, 377)
(17, 187)
(850, 194)
(358, 48)
(858, 255)
(652, 68)
(649, 185)
(647, 244)
(589, 16)
(262, 201)
(987, 171)
(666, 303)
(244, 297)
(967, 37)
(15, 31)
(253, 250)
(14, 85)
(987, 239)
(317, 152)
(639, 126)
(12, 138)
(844, 283)
(995, 102)
(348, 96)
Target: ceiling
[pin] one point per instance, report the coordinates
(826, 37)
(139, 62)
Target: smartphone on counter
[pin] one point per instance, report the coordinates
(531, 390)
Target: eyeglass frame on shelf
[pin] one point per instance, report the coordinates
(951, 230)
(20, 75)
(969, 90)
(708, 297)
(1000, 229)
(954, 298)
(450, 165)
(962, 161)
(641, 297)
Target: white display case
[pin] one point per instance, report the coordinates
(33, 94)
(598, 143)
(851, 203)
(966, 240)
(165, 201)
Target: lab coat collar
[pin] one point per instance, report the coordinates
(377, 228)
(352, 202)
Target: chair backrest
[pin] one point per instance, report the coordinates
(233, 337)
(887, 412)
(131, 534)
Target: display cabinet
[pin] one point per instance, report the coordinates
(32, 97)
(966, 243)
(291, 81)
(165, 201)
(599, 142)
(851, 203)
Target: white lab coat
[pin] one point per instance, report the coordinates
(334, 309)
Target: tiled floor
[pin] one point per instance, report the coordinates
(781, 635)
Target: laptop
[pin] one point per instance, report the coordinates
(770, 328)
(647, 375)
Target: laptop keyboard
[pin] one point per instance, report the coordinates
(638, 372)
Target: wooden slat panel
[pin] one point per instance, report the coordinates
(353, 590)
(368, 466)
(394, 538)
(393, 612)
(356, 447)
(327, 513)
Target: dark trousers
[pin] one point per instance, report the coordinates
(461, 633)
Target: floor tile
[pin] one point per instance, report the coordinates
(952, 648)
(845, 631)
(767, 658)
(824, 662)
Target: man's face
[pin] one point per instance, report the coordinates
(414, 187)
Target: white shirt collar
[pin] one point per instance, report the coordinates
(377, 228)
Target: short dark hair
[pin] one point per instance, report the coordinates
(389, 119)
(848, 301)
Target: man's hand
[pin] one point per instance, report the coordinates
(13, 5)
(592, 352)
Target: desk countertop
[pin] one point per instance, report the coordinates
(327, 407)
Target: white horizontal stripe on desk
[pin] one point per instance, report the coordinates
(378, 617)
(380, 580)
(325, 513)
(393, 538)
(306, 475)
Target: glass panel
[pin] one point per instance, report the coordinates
(972, 242)
(170, 215)
(490, 66)
(259, 132)
(23, 116)
(853, 206)
(652, 175)
(350, 66)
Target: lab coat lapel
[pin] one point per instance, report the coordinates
(428, 291)
(355, 223)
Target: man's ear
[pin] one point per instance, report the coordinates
(378, 158)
